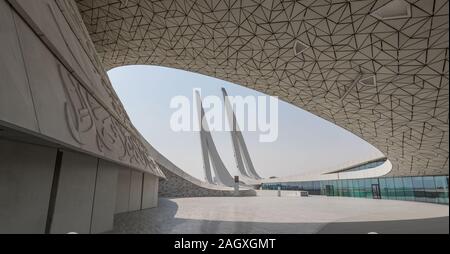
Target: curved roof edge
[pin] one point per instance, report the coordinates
(379, 171)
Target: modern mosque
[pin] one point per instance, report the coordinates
(72, 161)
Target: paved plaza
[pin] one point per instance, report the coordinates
(280, 215)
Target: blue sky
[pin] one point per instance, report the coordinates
(306, 143)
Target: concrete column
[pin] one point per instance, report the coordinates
(135, 191)
(129, 191)
(150, 192)
(105, 197)
(123, 191)
(26, 173)
(75, 194)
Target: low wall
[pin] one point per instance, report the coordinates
(179, 184)
(274, 193)
(178, 187)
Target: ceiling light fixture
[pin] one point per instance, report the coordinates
(368, 81)
(300, 47)
(395, 9)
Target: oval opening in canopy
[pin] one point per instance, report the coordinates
(306, 144)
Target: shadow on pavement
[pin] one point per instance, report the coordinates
(422, 226)
(162, 220)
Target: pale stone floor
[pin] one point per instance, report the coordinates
(285, 215)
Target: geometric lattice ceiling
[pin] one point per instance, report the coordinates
(377, 68)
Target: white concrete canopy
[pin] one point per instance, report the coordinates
(377, 71)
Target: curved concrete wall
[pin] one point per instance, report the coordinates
(54, 89)
(53, 85)
(176, 186)
(180, 184)
(379, 171)
(64, 135)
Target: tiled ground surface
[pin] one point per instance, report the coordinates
(285, 215)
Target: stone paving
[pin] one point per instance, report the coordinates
(260, 215)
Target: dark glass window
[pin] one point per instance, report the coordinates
(375, 182)
(329, 189)
(339, 188)
(399, 189)
(335, 187)
(368, 188)
(408, 188)
(430, 189)
(350, 188)
(441, 183)
(419, 190)
(323, 187)
(384, 189)
(345, 188)
(355, 188)
(316, 186)
(361, 187)
(391, 188)
(426, 189)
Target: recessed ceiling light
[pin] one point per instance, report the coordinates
(395, 9)
(300, 47)
(363, 80)
(369, 81)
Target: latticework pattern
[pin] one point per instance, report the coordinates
(380, 72)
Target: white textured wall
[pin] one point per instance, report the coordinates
(105, 197)
(150, 192)
(54, 90)
(26, 173)
(123, 191)
(16, 105)
(54, 86)
(135, 191)
(75, 195)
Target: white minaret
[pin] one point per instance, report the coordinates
(210, 154)
(241, 154)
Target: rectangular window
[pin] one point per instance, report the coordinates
(408, 188)
(317, 188)
(399, 189)
(356, 188)
(350, 188)
(334, 184)
(419, 191)
(391, 188)
(430, 189)
(441, 183)
(361, 188)
(323, 187)
(329, 189)
(345, 191)
(384, 189)
(368, 188)
(339, 188)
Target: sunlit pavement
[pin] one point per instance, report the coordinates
(281, 215)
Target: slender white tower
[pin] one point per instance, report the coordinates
(209, 152)
(241, 154)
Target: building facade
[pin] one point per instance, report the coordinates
(70, 158)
